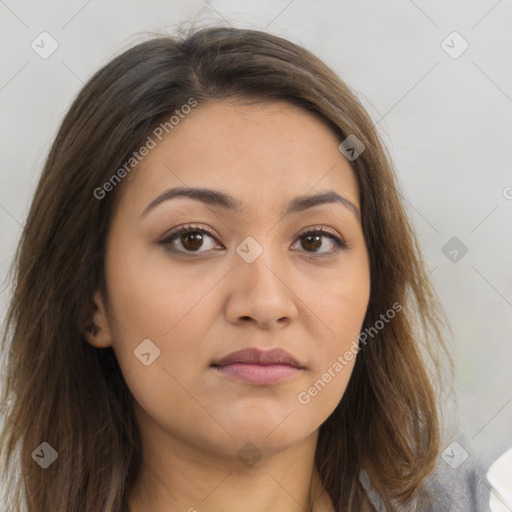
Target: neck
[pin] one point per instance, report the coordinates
(177, 476)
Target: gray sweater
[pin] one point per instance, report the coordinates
(464, 489)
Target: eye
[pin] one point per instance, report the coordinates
(189, 239)
(319, 238)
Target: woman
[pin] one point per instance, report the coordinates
(219, 301)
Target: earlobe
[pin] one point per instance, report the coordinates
(97, 333)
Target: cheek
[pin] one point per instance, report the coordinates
(174, 312)
(334, 361)
(341, 302)
(341, 307)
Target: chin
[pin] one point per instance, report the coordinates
(268, 435)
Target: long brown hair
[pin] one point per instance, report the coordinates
(73, 396)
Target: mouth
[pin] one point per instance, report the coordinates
(255, 366)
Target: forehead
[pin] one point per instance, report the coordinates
(256, 152)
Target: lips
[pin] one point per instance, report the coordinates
(254, 356)
(254, 366)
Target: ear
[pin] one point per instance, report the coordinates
(98, 334)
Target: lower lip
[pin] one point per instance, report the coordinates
(259, 373)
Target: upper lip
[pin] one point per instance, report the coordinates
(257, 356)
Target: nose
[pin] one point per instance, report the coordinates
(261, 293)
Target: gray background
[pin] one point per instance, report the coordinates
(446, 121)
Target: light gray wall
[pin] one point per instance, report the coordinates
(447, 121)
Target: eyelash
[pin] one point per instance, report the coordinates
(186, 229)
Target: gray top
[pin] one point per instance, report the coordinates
(464, 489)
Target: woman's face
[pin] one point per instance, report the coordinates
(256, 277)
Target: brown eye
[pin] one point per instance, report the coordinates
(320, 242)
(192, 241)
(189, 239)
(311, 242)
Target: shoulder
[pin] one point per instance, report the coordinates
(461, 488)
(455, 488)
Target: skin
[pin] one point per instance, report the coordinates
(200, 307)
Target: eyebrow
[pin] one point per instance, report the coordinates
(218, 198)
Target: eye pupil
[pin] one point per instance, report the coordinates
(192, 240)
(315, 240)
